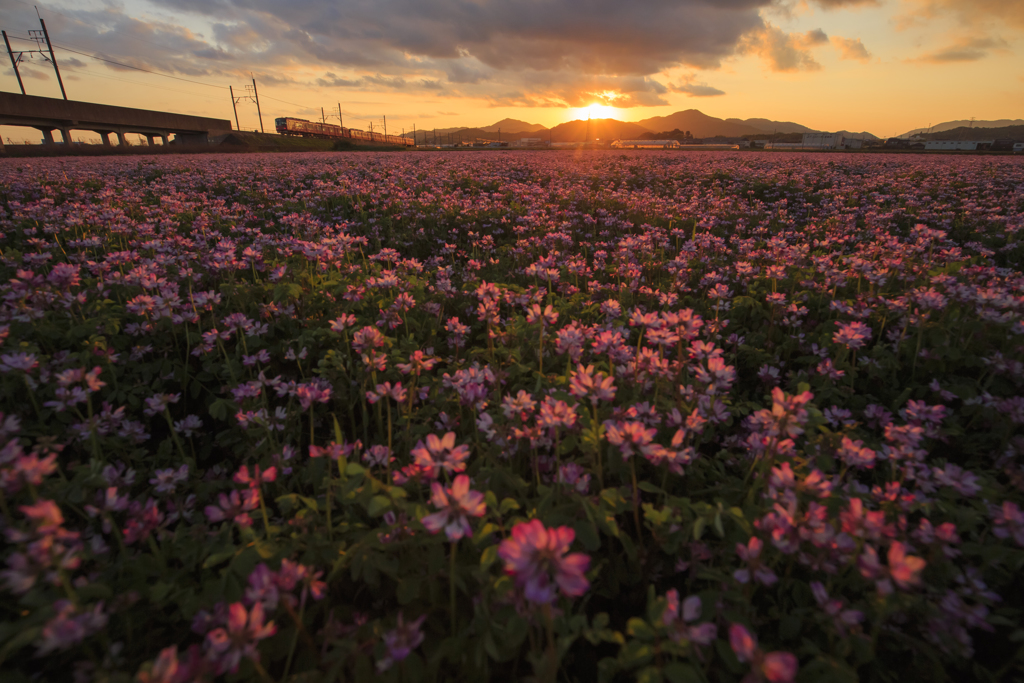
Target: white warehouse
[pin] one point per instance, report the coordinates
(958, 145)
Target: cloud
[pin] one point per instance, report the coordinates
(570, 90)
(448, 113)
(851, 48)
(1005, 13)
(842, 4)
(784, 51)
(590, 36)
(965, 50)
(696, 90)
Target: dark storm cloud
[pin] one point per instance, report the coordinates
(591, 36)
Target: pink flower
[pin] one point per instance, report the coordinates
(242, 476)
(234, 506)
(702, 634)
(905, 569)
(743, 643)
(627, 435)
(751, 554)
(440, 454)
(852, 335)
(777, 667)
(456, 504)
(226, 647)
(546, 317)
(345, 320)
(385, 390)
(585, 382)
(535, 555)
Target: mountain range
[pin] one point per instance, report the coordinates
(950, 125)
(699, 125)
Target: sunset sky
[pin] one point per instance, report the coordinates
(884, 66)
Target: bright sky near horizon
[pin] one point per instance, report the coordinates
(882, 66)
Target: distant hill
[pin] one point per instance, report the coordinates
(513, 124)
(453, 135)
(863, 135)
(950, 125)
(699, 124)
(599, 129)
(769, 126)
(976, 133)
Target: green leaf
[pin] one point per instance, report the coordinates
(488, 557)
(635, 653)
(638, 628)
(649, 674)
(508, 505)
(266, 549)
(217, 558)
(698, 528)
(586, 533)
(408, 590)
(789, 627)
(827, 671)
(378, 506)
(679, 672)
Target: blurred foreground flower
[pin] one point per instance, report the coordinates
(535, 555)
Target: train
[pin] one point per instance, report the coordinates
(312, 129)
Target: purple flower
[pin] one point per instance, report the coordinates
(401, 641)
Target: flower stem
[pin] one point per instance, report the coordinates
(451, 587)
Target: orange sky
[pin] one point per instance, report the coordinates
(884, 66)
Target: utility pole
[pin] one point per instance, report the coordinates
(323, 119)
(53, 59)
(233, 106)
(385, 128)
(341, 121)
(415, 142)
(256, 94)
(14, 63)
(499, 137)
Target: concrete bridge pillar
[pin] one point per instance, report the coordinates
(65, 133)
(47, 135)
(104, 137)
(149, 139)
(121, 139)
(164, 139)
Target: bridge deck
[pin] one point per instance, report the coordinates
(48, 113)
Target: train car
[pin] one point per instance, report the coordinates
(308, 129)
(312, 129)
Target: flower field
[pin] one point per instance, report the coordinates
(469, 416)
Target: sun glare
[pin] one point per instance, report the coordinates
(594, 111)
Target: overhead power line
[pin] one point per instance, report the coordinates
(127, 66)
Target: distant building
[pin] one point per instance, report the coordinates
(1018, 148)
(645, 144)
(958, 145)
(822, 141)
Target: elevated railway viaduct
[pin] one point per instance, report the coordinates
(47, 114)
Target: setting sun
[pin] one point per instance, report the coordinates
(594, 111)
